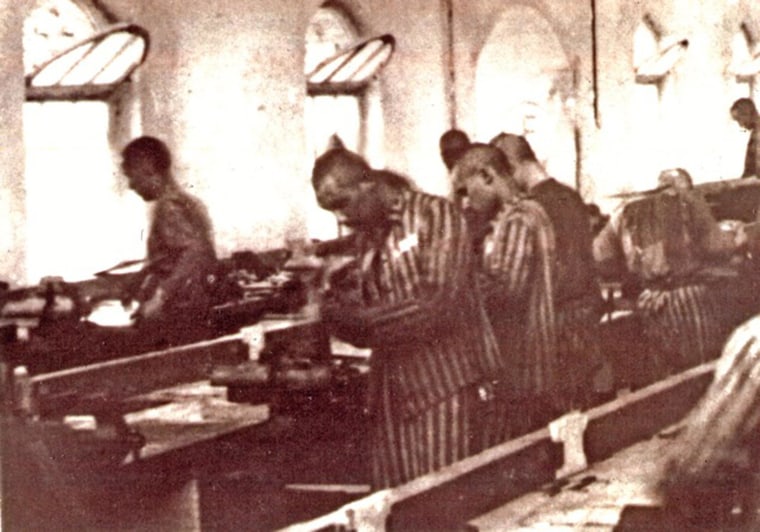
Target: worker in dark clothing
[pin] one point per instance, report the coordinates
(745, 113)
(180, 248)
(453, 144)
(577, 297)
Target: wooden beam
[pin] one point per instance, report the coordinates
(450, 497)
(118, 379)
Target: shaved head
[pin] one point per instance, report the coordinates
(483, 182)
(744, 112)
(483, 156)
(453, 144)
(516, 148)
(342, 161)
(676, 178)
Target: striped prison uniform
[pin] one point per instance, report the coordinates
(665, 240)
(434, 358)
(681, 324)
(714, 464)
(516, 279)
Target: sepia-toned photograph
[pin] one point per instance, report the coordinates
(368, 265)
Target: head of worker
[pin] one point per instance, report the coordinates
(520, 156)
(676, 179)
(453, 143)
(483, 181)
(745, 113)
(343, 183)
(146, 161)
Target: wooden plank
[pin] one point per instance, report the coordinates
(641, 414)
(190, 414)
(460, 492)
(117, 379)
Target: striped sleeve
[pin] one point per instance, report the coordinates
(508, 262)
(425, 278)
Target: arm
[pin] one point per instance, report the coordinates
(715, 241)
(188, 241)
(509, 264)
(608, 253)
(429, 272)
(752, 160)
(184, 233)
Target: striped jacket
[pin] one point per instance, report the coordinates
(418, 306)
(517, 271)
(712, 466)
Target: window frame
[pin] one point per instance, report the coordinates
(86, 91)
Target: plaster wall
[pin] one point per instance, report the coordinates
(12, 193)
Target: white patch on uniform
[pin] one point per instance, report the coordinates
(488, 247)
(407, 244)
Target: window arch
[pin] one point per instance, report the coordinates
(53, 26)
(80, 216)
(532, 98)
(654, 53)
(330, 31)
(93, 67)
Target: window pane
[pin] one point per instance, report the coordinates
(81, 217)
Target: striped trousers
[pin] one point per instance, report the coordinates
(714, 464)
(406, 445)
(682, 326)
(578, 351)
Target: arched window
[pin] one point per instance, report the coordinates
(533, 98)
(654, 53)
(81, 218)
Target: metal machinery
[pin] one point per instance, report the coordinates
(104, 426)
(98, 414)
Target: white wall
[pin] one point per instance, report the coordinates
(224, 86)
(12, 193)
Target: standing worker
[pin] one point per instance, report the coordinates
(577, 297)
(666, 241)
(745, 113)
(174, 295)
(412, 299)
(516, 247)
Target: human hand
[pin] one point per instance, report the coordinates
(152, 308)
(740, 237)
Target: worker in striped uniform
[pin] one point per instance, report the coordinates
(711, 481)
(665, 241)
(411, 297)
(577, 296)
(515, 243)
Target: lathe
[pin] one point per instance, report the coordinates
(59, 325)
(265, 402)
(102, 411)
